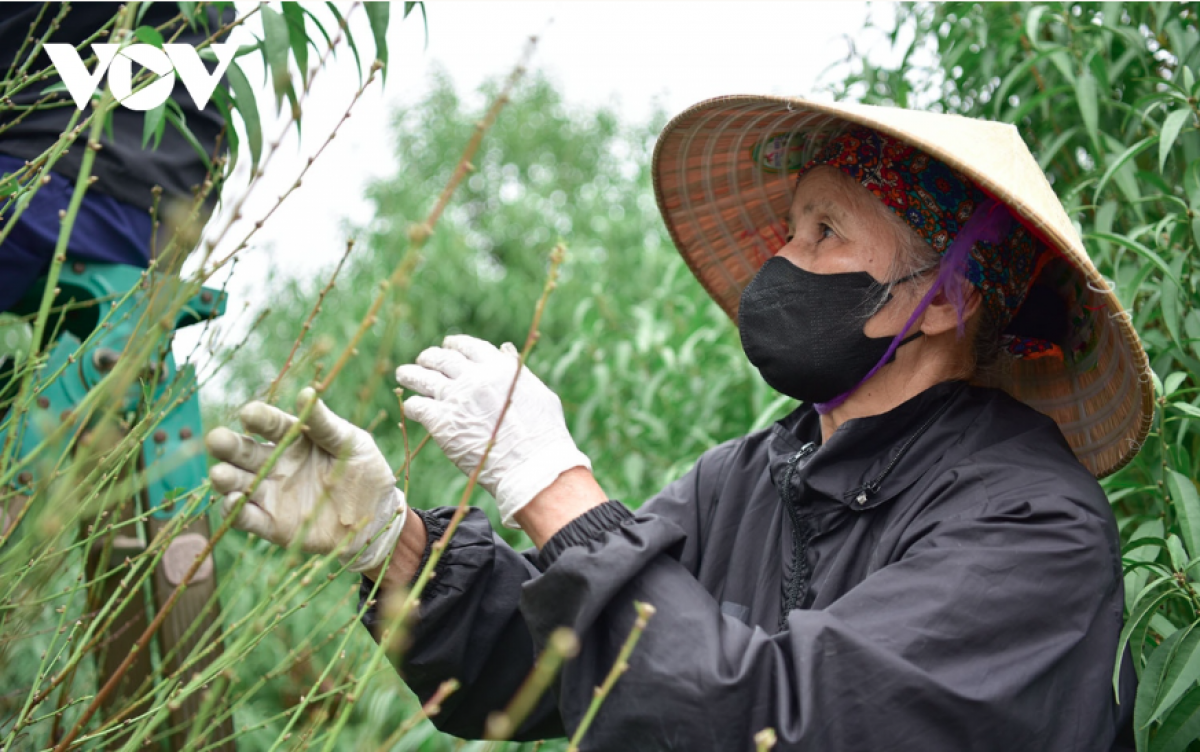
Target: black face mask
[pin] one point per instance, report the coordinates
(804, 331)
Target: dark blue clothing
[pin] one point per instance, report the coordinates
(106, 230)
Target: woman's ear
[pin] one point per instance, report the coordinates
(942, 315)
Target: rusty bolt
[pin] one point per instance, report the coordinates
(206, 297)
(185, 433)
(78, 267)
(43, 402)
(160, 436)
(25, 478)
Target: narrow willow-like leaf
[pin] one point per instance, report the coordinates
(378, 14)
(1170, 131)
(176, 118)
(275, 37)
(247, 106)
(1138, 617)
(153, 124)
(337, 14)
(1139, 249)
(1121, 160)
(1182, 671)
(1151, 679)
(1170, 384)
(1031, 25)
(1088, 99)
(297, 36)
(1169, 302)
(1186, 502)
(1180, 727)
(224, 103)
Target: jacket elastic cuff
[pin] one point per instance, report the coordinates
(585, 528)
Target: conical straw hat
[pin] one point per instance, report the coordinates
(721, 190)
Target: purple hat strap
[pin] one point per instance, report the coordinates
(989, 223)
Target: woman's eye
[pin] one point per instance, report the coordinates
(825, 231)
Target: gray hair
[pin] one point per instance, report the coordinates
(914, 255)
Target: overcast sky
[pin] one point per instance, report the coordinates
(625, 54)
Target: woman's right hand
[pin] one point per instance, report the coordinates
(332, 485)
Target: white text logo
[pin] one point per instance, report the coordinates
(172, 59)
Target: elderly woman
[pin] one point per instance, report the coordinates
(919, 557)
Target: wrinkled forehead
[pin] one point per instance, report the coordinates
(933, 199)
(830, 190)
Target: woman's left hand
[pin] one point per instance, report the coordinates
(463, 387)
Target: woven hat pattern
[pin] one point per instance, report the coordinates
(724, 173)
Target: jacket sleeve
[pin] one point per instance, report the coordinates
(979, 637)
(470, 626)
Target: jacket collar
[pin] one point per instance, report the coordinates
(868, 461)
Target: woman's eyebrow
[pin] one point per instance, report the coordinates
(823, 204)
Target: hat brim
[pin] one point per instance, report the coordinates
(724, 190)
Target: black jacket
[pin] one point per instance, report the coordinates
(956, 572)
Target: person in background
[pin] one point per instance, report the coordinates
(918, 557)
(114, 224)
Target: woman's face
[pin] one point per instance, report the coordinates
(837, 225)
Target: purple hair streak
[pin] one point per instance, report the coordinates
(989, 223)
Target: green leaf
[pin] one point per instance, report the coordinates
(1170, 131)
(1182, 671)
(377, 14)
(188, 9)
(8, 184)
(1169, 302)
(149, 35)
(1181, 726)
(1088, 99)
(1187, 409)
(1187, 508)
(1137, 248)
(275, 37)
(1171, 383)
(320, 27)
(224, 103)
(424, 18)
(1189, 79)
(1191, 184)
(297, 36)
(1179, 556)
(1046, 156)
(1031, 25)
(247, 107)
(1137, 619)
(153, 125)
(176, 118)
(1152, 678)
(1121, 161)
(345, 27)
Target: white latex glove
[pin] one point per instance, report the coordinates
(333, 473)
(464, 384)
